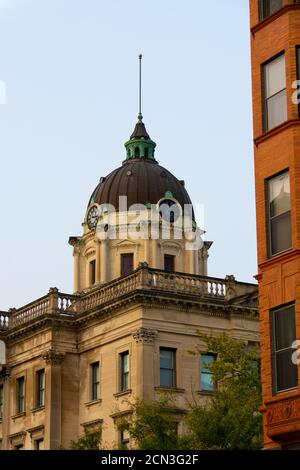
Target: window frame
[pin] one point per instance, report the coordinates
(92, 272)
(207, 373)
(20, 399)
(262, 7)
(130, 255)
(170, 257)
(274, 351)
(95, 384)
(265, 115)
(124, 376)
(174, 369)
(40, 388)
(270, 219)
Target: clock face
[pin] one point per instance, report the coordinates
(92, 217)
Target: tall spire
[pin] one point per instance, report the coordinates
(140, 116)
(140, 145)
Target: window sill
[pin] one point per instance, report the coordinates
(276, 130)
(207, 393)
(170, 389)
(37, 409)
(93, 402)
(19, 415)
(123, 393)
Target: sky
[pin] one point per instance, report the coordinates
(70, 69)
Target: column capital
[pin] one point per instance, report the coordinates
(53, 357)
(144, 335)
(5, 373)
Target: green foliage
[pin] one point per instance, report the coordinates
(152, 426)
(89, 441)
(231, 419)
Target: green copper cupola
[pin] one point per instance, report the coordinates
(140, 145)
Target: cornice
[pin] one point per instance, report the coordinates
(276, 130)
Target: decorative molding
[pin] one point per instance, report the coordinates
(92, 426)
(36, 430)
(5, 373)
(144, 335)
(53, 357)
(283, 411)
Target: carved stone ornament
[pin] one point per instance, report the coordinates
(144, 335)
(5, 373)
(283, 411)
(53, 357)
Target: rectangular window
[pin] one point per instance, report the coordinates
(167, 367)
(126, 263)
(21, 395)
(169, 263)
(95, 375)
(1, 400)
(40, 383)
(268, 7)
(279, 213)
(124, 440)
(92, 272)
(285, 374)
(207, 383)
(124, 358)
(39, 444)
(275, 101)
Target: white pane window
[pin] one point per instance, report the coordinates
(275, 92)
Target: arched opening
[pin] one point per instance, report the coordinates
(137, 152)
(146, 152)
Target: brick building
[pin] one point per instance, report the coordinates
(275, 44)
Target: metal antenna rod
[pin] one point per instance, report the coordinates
(140, 117)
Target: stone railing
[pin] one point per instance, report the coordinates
(53, 303)
(4, 320)
(151, 279)
(142, 279)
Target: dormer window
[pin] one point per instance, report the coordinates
(268, 7)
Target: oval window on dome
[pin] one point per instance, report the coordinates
(169, 210)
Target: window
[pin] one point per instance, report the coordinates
(40, 382)
(146, 152)
(126, 263)
(92, 272)
(137, 152)
(268, 7)
(167, 367)
(207, 383)
(124, 358)
(169, 263)
(95, 374)
(21, 395)
(275, 101)
(285, 374)
(1, 401)
(124, 439)
(39, 444)
(279, 214)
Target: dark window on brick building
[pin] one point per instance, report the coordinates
(268, 7)
(285, 375)
(126, 263)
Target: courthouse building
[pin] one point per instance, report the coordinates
(275, 41)
(74, 361)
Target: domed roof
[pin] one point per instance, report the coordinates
(142, 181)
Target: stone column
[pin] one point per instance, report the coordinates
(104, 261)
(77, 269)
(98, 260)
(144, 338)
(156, 254)
(53, 402)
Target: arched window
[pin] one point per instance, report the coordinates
(146, 152)
(137, 152)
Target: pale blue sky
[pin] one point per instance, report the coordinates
(70, 68)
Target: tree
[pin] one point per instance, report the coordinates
(89, 441)
(230, 420)
(152, 426)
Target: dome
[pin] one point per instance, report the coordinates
(142, 181)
